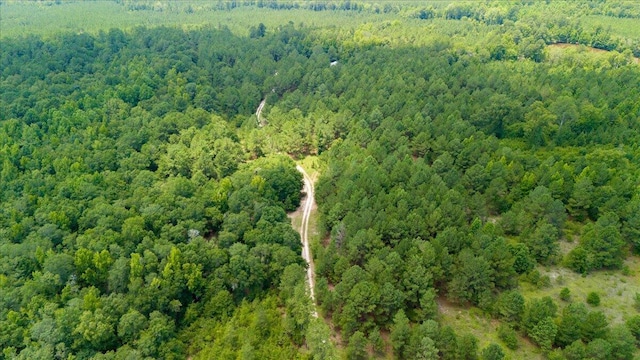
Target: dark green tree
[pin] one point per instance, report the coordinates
(622, 342)
(595, 326)
(493, 352)
(510, 306)
(508, 335)
(400, 333)
(570, 324)
(468, 347)
(633, 324)
(593, 299)
(356, 349)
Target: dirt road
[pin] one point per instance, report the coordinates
(309, 202)
(304, 235)
(259, 111)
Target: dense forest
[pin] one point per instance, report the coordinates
(467, 152)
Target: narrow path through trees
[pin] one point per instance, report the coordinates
(304, 235)
(304, 226)
(259, 112)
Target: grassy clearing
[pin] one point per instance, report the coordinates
(617, 291)
(562, 48)
(474, 321)
(582, 53)
(623, 27)
(616, 288)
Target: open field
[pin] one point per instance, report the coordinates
(581, 51)
(617, 291)
(92, 17)
(473, 320)
(623, 27)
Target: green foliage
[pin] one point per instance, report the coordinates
(543, 333)
(117, 225)
(577, 350)
(601, 246)
(598, 349)
(471, 279)
(468, 349)
(426, 350)
(622, 342)
(565, 294)
(357, 347)
(536, 279)
(570, 326)
(400, 333)
(376, 341)
(523, 261)
(594, 326)
(537, 310)
(422, 344)
(543, 242)
(130, 325)
(492, 352)
(298, 309)
(510, 306)
(509, 336)
(593, 299)
(255, 330)
(317, 334)
(144, 207)
(633, 324)
(61, 265)
(538, 322)
(636, 300)
(257, 32)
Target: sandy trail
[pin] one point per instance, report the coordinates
(259, 112)
(304, 235)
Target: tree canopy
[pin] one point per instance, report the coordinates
(144, 204)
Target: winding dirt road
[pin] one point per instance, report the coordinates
(304, 227)
(259, 112)
(304, 235)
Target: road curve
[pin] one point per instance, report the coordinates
(304, 227)
(259, 111)
(304, 235)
